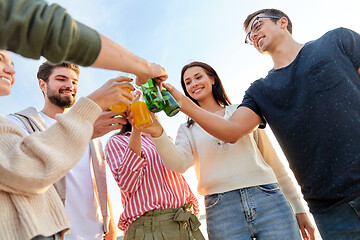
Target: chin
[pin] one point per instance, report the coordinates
(5, 92)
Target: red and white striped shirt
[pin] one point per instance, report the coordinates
(144, 181)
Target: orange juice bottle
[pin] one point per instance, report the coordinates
(119, 107)
(141, 115)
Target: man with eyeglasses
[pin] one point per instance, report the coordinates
(311, 100)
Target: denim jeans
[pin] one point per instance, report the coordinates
(341, 222)
(260, 212)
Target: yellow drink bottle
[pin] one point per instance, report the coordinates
(119, 107)
(141, 115)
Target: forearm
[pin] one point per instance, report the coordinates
(115, 57)
(135, 141)
(33, 163)
(173, 158)
(229, 130)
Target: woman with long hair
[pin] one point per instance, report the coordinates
(240, 181)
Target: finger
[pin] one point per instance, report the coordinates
(110, 114)
(312, 233)
(119, 114)
(125, 86)
(162, 78)
(168, 86)
(126, 94)
(115, 127)
(118, 120)
(131, 121)
(304, 234)
(123, 79)
(139, 81)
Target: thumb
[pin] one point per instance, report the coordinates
(168, 86)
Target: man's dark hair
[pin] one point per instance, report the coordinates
(46, 69)
(269, 12)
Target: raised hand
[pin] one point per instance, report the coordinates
(182, 100)
(113, 91)
(156, 71)
(107, 122)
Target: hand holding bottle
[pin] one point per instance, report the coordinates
(113, 92)
(154, 71)
(157, 100)
(155, 129)
(139, 112)
(180, 98)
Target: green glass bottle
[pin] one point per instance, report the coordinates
(171, 107)
(152, 96)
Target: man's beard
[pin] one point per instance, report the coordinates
(55, 98)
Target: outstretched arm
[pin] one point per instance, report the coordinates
(36, 28)
(241, 123)
(114, 57)
(175, 158)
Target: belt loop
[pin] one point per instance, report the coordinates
(152, 224)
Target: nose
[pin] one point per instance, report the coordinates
(9, 69)
(69, 83)
(252, 36)
(194, 84)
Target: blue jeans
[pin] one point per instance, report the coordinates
(341, 222)
(260, 212)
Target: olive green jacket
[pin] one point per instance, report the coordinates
(32, 28)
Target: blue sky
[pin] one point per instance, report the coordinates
(174, 33)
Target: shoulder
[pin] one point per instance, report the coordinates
(184, 129)
(338, 33)
(8, 125)
(185, 132)
(118, 139)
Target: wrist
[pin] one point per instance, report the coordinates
(158, 133)
(186, 104)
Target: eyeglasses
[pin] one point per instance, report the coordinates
(255, 27)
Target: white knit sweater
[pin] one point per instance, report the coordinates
(222, 167)
(29, 165)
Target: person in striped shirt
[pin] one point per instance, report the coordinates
(157, 202)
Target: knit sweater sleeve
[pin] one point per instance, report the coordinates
(32, 28)
(175, 158)
(30, 164)
(286, 183)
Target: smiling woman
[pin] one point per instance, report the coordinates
(7, 72)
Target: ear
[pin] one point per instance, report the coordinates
(283, 23)
(42, 85)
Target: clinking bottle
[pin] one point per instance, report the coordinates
(171, 107)
(152, 96)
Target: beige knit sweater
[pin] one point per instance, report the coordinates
(29, 165)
